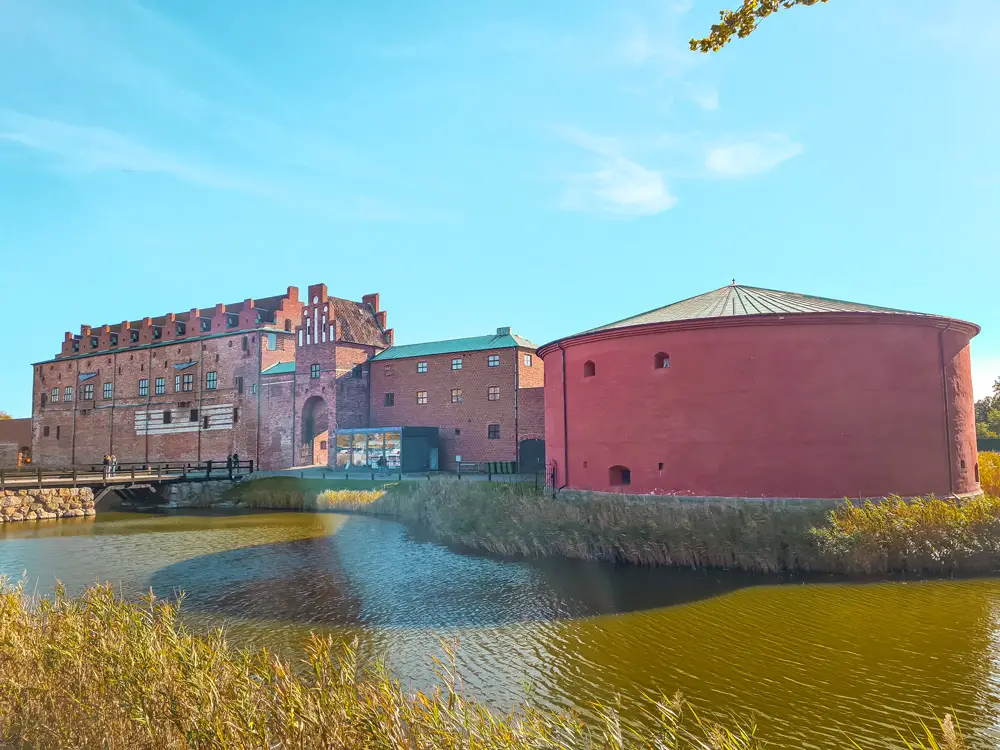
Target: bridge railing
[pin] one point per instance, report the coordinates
(145, 472)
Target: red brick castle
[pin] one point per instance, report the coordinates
(272, 380)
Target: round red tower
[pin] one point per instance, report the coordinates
(746, 392)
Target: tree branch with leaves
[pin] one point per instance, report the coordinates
(742, 22)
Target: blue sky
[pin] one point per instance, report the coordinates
(549, 166)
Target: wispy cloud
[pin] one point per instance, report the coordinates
(618, 185)
(89, 148)
(746, 158)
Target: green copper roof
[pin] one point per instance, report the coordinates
(281, 368)
(503, 339)
(733, 300)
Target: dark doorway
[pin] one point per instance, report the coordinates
(531, 456)
(315, 432)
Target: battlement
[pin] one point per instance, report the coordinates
(281, 311)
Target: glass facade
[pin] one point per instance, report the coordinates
(370, 450)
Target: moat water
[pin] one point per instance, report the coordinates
(810, 662)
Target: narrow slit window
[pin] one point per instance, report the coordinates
(661, 361)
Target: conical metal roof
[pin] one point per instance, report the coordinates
(735, 300)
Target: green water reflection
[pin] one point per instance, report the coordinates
(808, 660)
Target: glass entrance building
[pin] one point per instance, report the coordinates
(405, 449)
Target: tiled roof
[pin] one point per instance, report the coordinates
(281, 368)
(734, 300)
(357, 322)
(456, 346)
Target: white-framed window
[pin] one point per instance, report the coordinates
(144, 387)
(493, 393)
(421, 397)
(211, 381)
(68, 394)
(456, 396)
(55, 395)
(88, 392)
(159, 387)
(108, 390)
(527, 360)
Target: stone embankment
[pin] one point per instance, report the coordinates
(41, 504)
(196, 494)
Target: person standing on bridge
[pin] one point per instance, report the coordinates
(114, 464)
(107, 467)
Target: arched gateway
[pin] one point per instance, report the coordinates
(315, 432)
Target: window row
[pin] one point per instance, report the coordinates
(206, 421)
(661, 361)
(182, 384)
(493, 360)
(457, 397)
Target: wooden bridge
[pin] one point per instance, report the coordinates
(126, 475)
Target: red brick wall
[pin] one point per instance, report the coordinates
(823, 406)
(470, 418)
(277, 409)
(131, 426)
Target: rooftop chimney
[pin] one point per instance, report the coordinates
(504, 331)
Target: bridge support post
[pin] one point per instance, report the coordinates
(133, 475)
(39, 477)
(74, 476)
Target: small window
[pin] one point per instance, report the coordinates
(314, 371)
(589, 369)
(88, 392)
(458, 430)
(323, 445)
(456, 364)
(159, 387)
(44, 399)
(493, 360)
(76, 346)
(421, 367)
(55, 395)
(527, 360)
(68, 393)
(239, 384)
(389, 371)
(421, 397)
(272, 340)
(181, 329)
(493, 431)
(167, 417)
(232, 321)
(93, 342)
(493, 393)
(177, 383)
(390, 399)
(288, 325)
(157, 332)
(456, 395)
(975, 470)
(204, 423)
(236, 414)
(246, 344)
(108, 390)
(211, 381)
(194, 416)
(114, 342)
(358, 371)
(133, 336)
(187, 384)
(45, 431)
(144, 387)
(661, 361)
(619, 476)
(58, 431)
(206, 325)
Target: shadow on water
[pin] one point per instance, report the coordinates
(374, 572)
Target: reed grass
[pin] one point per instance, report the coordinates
(99, 672)
(292, 493)
(925, 535)
(989, 472)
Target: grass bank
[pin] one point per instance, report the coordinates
(927, 536)
(989, 472)
(98, 672)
